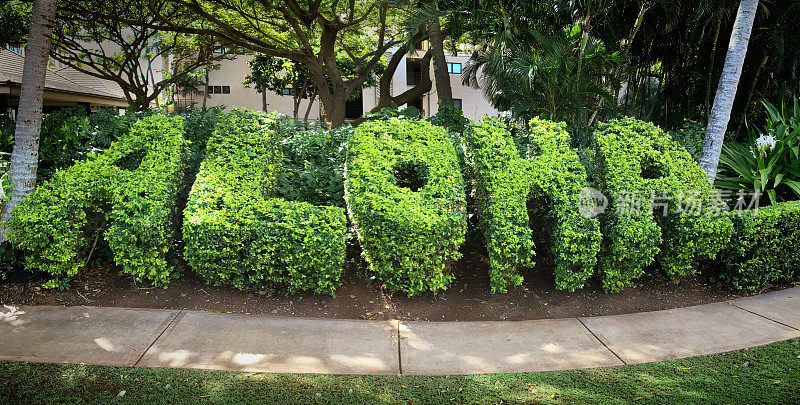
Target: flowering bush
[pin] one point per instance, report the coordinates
(770, 163)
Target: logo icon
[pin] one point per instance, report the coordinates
(591, 202)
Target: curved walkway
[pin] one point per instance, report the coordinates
(206, 340)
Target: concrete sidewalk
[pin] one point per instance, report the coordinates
(206, 340)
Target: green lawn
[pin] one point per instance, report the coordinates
(768, 374)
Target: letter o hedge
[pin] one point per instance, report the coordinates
(405, 195)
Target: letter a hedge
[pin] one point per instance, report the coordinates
(133, 186)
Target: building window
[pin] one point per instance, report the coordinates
(220, 50)
(453, 68)
(413, 72)
(15, 49)
(288, 91)
(218, 90)
(457, 103)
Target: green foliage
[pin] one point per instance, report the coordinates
(7, 128)
(127, 193)
(560, 76)
(691, 136)
(270, 73)
(770, 164)
(386, 113)
(68, 136)
(237, 232)
(313, 164)
(14, 22)
(558, 177)
(405, 195)
(449, 117)
(65, 138)
(634, 162)
(503, 183)
(764, 248)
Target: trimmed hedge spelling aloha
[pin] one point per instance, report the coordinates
(558, 175)
(634, 160)
(764, 249)
(405, 195)
(238, 233)
(503, 184)
(133, 185)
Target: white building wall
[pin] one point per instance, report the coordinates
(232, 73)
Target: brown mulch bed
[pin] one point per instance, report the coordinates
(467, 299)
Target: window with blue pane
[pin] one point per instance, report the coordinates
(453, 68)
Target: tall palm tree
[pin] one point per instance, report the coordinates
(25, 156)
(726, 91)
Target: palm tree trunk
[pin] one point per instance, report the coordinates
(25, 156)
(436, 40)
(726, 91)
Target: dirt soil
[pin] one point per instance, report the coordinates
(467, 299)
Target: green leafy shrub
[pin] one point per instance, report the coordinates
(7, 128)
(691, 136)
(237, 232)
(764, 248)
(449, 117)
(503, 184)
(132, 188)
(405, 195)
(65, 139)
(634, 162)
(558, 177)
(313, 164)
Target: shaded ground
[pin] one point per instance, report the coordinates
(763, 375)
(468, 298)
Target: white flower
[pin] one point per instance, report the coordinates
(766, 142)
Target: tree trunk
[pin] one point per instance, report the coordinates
(205, 91)
(296, 99)
(440, 73)
(264, 100)
(332, 109)
(726, 91)
(310, 104)
(25, 155)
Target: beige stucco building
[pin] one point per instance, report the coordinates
(226, 89)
